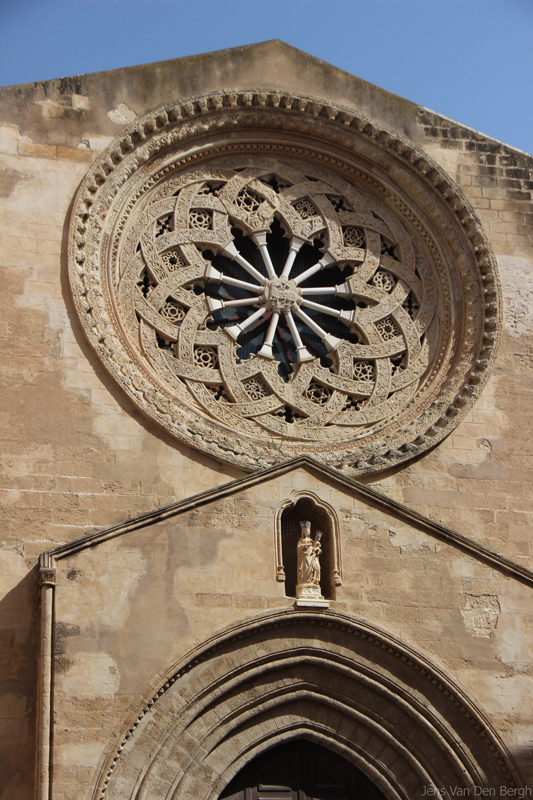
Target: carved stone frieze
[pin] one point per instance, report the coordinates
(266, 276)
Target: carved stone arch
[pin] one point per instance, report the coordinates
(305, 674)
(332, 544)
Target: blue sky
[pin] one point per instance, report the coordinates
(471, 60)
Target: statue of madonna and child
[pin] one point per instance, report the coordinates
(309, 550)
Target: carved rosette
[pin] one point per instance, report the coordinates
(266, 276)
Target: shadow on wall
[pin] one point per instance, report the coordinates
(18, 687)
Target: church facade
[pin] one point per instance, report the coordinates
(268, 338)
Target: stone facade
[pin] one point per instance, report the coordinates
(434, 568)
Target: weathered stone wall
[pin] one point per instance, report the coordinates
(78, 457)
(478, 480)
(131, 607)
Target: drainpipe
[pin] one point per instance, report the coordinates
(47, 580)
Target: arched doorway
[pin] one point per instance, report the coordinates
(300, 770)
(318, 677)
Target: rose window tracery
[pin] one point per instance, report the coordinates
(262, 275)
(258, 282)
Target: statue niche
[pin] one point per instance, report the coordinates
(307, 550)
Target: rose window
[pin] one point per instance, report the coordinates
(296, 293)
(267, 275)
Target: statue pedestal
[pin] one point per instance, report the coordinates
(308, 596)
(311, 603)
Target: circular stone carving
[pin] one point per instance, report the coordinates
(267, 276)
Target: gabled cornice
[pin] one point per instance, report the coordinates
(359, 490)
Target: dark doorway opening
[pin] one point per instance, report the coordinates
(300, 770)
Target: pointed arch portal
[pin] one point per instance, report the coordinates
(305, 679)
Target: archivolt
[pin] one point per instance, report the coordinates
(316, 675)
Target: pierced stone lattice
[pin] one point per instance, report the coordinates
(200, 219)
(174, 312)
(249, 200)
(208, 188)
(398, 365)
(339, 204)
(388, 329)
(164, 225)
(384, 280)
(318, 393)
(219, 393)
(205, 357)
(363, 371)
(173, 260)
(354, 237)
(411, 305)
(146, 283)
(256, 388)
(305, 208)
(353, 404)
(288, 414)
(387, 248)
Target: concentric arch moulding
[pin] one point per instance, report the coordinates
(266, 275)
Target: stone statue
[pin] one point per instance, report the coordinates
(309, 550)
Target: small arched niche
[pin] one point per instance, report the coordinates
(302, 769)
(306, 506)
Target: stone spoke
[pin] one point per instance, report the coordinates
(236, 330)
(266, 350)
(215, 304)
(214, 275)
(231, 251)
(319, 307)
(303, 353)
(260, 241)
(331, 342)
(346, 316)
(325, 261)
(295, 246)
(344, 290)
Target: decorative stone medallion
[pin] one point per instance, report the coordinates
(266, 275)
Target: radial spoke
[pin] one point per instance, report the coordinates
(251, 287)
(236, 330)
(344, 290)
(214, 275)
(331, 342)
(319, 307)
(260, 240)
(303, 353)
(266, 350)
(295, 246)
(215, 304)
(345, 316)
(231, 251)
(325, 261)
